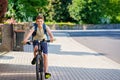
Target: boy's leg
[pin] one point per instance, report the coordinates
(45, 55)
(35, 50)
(47, 75)
(45, 63)
(34, 59)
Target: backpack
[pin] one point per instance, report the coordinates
(35, 29)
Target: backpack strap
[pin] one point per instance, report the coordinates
(35, 30)
(35, 27)
(45, 31)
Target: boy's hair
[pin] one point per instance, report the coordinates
(40, 17)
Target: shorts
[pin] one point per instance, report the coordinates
(44, 46)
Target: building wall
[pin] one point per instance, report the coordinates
(7, 38)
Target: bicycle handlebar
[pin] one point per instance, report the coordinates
(31, 41)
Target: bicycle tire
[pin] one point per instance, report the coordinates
(39, 66)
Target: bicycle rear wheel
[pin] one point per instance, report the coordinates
(39, 68)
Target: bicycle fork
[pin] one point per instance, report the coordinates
(39, 67)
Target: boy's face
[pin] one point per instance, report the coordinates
(39, 22)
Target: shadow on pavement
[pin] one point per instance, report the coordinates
(27, 72)
(58, 51)
(6, 57)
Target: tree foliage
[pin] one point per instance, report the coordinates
(81, 11)
(24, 10)
(57, 11)
(95, 11)
(61, 13)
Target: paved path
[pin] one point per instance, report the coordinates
(68, 60)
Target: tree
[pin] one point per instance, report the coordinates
(24, 10)
(61, 13)
(3, 8)
(85, 11)
(95, 11)
(57, 11)
(113, 10)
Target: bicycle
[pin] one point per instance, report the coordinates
(39, 60)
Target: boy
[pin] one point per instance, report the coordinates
(40, 35)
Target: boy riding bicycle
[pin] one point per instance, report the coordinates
(40, 35)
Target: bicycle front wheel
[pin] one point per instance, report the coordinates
(39, 72)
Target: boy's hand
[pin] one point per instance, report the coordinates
(52, 39)
(24, 42)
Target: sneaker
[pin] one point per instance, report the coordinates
(47, 75)
(33, 61)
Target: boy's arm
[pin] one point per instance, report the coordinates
(50, 34)
(28, 36)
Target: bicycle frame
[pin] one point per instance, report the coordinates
(39, 63)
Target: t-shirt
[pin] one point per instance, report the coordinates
(39, 34)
